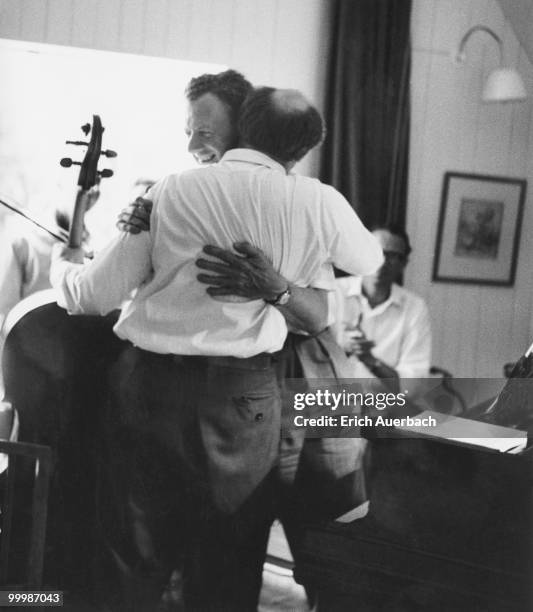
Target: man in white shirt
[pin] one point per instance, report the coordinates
(383, 327)
(197, 394)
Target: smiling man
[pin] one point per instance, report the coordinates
(214, 105)
(212, 116)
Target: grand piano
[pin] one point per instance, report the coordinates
(449, 526)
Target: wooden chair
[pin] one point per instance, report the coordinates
(41, 457)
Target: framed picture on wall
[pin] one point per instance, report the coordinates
(479, 229)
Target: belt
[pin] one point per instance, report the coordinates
(263, 361)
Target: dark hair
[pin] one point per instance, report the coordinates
(396, 230)
(282, 132)
(229, 86)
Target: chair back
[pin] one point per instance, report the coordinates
(41, 460)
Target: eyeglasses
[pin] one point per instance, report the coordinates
(394, 256)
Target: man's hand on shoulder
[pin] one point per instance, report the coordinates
(135, 218)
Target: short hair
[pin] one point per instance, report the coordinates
(396, 230)
(229, 86)
(284, 132)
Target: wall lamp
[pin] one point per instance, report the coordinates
(503, 84)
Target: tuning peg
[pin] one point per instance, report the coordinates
(86, 128)
(106, 173)
(108, 153)
(66, 162)
(77, 142)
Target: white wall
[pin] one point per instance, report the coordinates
(476, 328)
(275, 42)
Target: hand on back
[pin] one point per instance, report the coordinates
(135, 218)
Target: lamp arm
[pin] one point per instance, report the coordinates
(478, 28)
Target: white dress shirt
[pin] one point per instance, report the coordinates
(302, 225)
(399, 327)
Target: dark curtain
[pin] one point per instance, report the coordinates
(365, 154)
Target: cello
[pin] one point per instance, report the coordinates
(54, 369)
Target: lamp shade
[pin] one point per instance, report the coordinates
(504, 85)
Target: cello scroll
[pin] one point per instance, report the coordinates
(89, 176)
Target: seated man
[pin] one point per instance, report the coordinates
(383, 327)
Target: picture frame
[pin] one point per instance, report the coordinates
(479, 229)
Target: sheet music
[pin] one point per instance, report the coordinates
(467, 431)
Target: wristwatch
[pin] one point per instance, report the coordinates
(281, 299)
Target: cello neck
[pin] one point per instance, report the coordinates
(75, 237)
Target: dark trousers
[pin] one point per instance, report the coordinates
(192, 445)
(316, 479)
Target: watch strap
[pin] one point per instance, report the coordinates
(281, 299)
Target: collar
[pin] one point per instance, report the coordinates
(355, 288)
(251, 156)
(396, 295)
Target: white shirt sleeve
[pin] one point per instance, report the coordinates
(338, 303)
(415, 356)
(324, 280)
(351, 246)
(332, 312)
(101, 285)
(11, 278)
